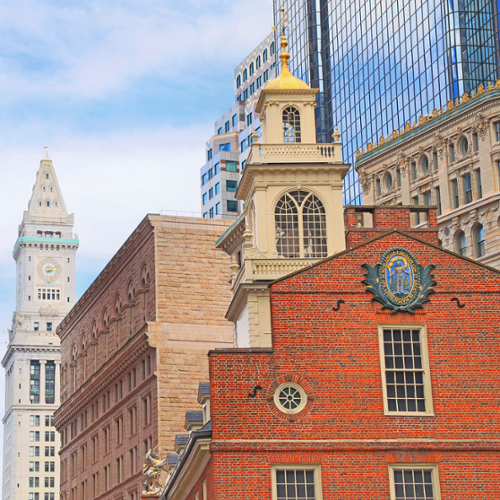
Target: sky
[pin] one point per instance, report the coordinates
(124, 94)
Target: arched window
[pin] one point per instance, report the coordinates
(272, 48)
(257, 62)
(291, 124)
(300, 222)
(264, 55)
(245, 75)
(461, 244)
(251, 69)
(479, 237)
(238, 81)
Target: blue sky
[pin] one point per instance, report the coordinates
(124, 94)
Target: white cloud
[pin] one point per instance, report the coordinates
(88, 49)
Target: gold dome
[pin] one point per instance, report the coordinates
(285, 80)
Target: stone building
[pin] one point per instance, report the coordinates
(133, 350)
(45, 253)
(450, 159)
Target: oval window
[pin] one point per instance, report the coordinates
(425, 164)
(388, 182)
(464, 146)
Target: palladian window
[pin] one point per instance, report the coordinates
(291, 124)
(300, 222)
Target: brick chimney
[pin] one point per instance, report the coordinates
(364, 222)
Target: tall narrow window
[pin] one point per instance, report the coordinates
(454, 187)
(35, 382)
(479, 184)
(300, 221)
(50, 381)
(461, 244)
(452, 152)
(438, 200)
(467, 188)
(405, 370)
(436, 162)
(291, 125)
(417, 214)
(479, 237)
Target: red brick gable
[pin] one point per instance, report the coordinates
(337, 352)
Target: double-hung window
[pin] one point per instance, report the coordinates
(412, 481)
(296, 482)
(405, 370)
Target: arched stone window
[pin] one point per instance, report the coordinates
(264, 55)
(245, 75)
(84, 357)
(461, 243)
(74, 355)
(257, 62)
(479, 241)
(300, 222)
(291, 124)
(145, 287)
(251, 69)
(94, 346)
(238, 81)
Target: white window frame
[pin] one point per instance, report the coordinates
(314, 467)
(411, 466)
(429, 409)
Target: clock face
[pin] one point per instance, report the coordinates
(49, 269)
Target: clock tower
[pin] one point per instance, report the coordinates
(45, 253)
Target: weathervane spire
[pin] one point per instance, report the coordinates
(284, 56)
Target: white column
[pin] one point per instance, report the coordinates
(42, 381)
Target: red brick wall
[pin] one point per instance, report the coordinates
(337, 354)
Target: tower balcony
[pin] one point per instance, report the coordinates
(295, 153)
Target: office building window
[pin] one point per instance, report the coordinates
(259, 82)
(217, 208)
(251, 69)
(271, 50)
(438, 200)
(50, 382)
(291, 125)
(205, 215)
(231, 186)
(264, 55)
(257, 62)
(249, 119)
(405, 370)
(243, 164)
(266, 75)
(238, 81)
(203, 179)
(252, 88)
(245, 75)
(216, 168)
(230, 166)
(249, 141)
(204, 198)
(36, 326)
(219, 132)
(226, 127)
(414, 482)
(217, 188)
(234, 120)
(297, 482)
(476, 142)
(232, 206)
(34, 420)
(417, 214)
(454, 189)
(461, 243)
(243, 145)
(49, 327)
(479, 237)
(467, 188)
(479, 184)
(225, 147)
(210, 193)
(413, 170)
(245, 94)
(211, 213)
(209, 154)
(452, 153)
(300, 223)
(35, 382)
(210, 173)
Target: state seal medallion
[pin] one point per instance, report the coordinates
(399, 282)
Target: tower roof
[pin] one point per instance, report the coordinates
(285, 80)
(46, 199)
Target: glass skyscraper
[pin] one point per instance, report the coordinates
(380, 64)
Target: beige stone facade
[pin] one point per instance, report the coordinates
(134, 349)
(450, 159)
